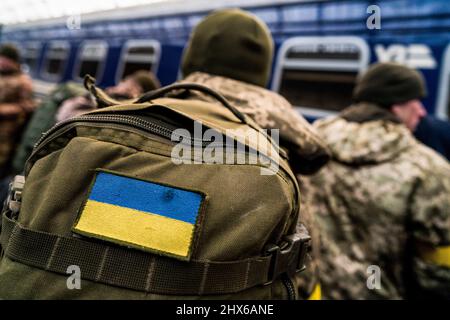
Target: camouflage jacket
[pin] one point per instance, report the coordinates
(16, 106)
(307, 152)
(383, 207)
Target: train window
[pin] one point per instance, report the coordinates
(55, 60)
(138, 55)
(30, 54)
(443, 103)
(91, 59)
(317, 74)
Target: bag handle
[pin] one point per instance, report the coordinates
(192, 86)
(102, 99)
(198, 87)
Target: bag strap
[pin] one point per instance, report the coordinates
(142, 271)
(158, 93)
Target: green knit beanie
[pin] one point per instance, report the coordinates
(386, 84)
(231, 43)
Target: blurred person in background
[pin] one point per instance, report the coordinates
(134, 85)
(68, 100)
(231, 51)
(16, 107)
(43, 119)
(383, 202)
(129, 88)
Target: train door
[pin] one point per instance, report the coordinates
(317, 74)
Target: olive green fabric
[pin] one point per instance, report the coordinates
(387, 84)
(230, 43)
(245, 211)
(25, 282)
(43, 119)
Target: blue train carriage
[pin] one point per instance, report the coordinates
(321, 46)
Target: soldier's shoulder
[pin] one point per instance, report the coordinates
(256, 92)
(429, 160)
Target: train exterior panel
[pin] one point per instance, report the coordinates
(321, 46)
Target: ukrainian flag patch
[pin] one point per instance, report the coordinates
(142, 214)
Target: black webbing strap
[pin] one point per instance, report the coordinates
(133, 269)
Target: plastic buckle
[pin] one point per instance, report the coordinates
(304, 242)
(290, 259)
(15, 194)
(273, 251)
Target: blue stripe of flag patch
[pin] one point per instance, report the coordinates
(146, 196)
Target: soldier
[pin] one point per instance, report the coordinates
(383, 202)
(231, 52)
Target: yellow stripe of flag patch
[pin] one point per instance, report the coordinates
(140, 214)
(142, 229)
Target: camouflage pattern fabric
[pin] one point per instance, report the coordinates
(382, 198)
(306, 150)
(269, 110)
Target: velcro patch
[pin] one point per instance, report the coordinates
(141, 214)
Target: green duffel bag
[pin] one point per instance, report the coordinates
(112, 209)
